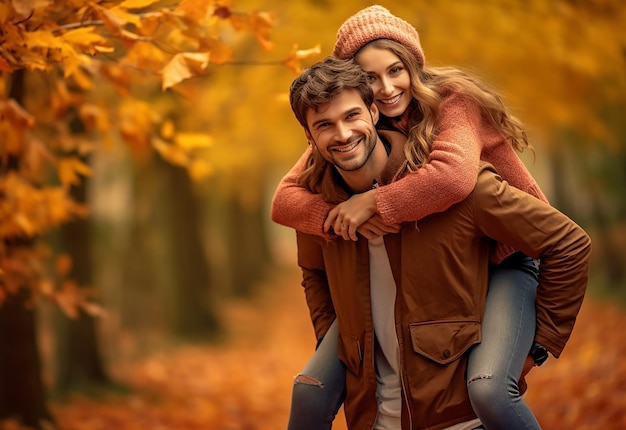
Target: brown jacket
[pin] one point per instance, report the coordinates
(440, 265)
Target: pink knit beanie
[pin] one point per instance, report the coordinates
(371, 23)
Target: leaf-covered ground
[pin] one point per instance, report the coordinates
(245, 383)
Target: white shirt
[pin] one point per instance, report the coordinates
(387, 361)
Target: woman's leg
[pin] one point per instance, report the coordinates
(319, 390)
(508, 330)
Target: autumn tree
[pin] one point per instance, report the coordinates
(82, 70)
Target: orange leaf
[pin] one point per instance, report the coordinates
(93, 309)
(184, 66)
(67, 299)
(63, 264)
(70, 169)
(4, 66)
(296, 55)
(262, 23)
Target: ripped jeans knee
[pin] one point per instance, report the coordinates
(307, 380)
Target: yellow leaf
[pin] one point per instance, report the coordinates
(136, 4)
(115, 19)
(145, 56)
(136, 120)
(168, 129)
(171, 153)
(94, 117)
(42, 39)
(183, 66)
(190, 141)
(82, 79)
(220, 52)
(84, 37)
(200, 169)
(150, 24)
(128, 17)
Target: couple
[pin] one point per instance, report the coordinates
(416, 329)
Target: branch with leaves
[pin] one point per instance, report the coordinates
(89, 69)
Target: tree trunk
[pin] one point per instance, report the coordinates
(79, 362)
(22, 394)
(248, 246)
(195, 314)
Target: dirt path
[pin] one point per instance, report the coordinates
(246, 383)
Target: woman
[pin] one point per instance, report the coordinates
(452, 120)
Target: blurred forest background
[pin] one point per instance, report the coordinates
(141, 142)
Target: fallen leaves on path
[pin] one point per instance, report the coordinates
(245, 384)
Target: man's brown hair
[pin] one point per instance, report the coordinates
(319, 84)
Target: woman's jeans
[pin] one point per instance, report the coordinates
(494, 365)
(318, 391)
(508, 330)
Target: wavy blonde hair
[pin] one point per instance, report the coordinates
(427, 86)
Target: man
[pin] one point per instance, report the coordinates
(409, 306)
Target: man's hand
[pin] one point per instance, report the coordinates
(528, 365)
(347, 217)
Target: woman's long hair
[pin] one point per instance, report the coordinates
(427, 86)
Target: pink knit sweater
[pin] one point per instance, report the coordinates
(464, 137)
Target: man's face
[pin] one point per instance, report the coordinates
(344, 130)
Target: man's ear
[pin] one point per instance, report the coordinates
(308, 136)
(375, 113)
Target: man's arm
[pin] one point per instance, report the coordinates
(315, 283)
(540, 231)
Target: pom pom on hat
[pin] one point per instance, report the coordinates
(371, 23)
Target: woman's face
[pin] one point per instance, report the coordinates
(389, 79)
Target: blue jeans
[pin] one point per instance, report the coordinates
(508, 329)
(494, 365)
(319, 390)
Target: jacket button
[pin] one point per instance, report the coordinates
(446, 353)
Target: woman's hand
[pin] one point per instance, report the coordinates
(347, 217)
(375, 227)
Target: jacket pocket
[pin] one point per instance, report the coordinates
(351, 352)
(444, 341)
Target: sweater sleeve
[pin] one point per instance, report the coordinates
(296, 207)
(516, 218)
(450, 174)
